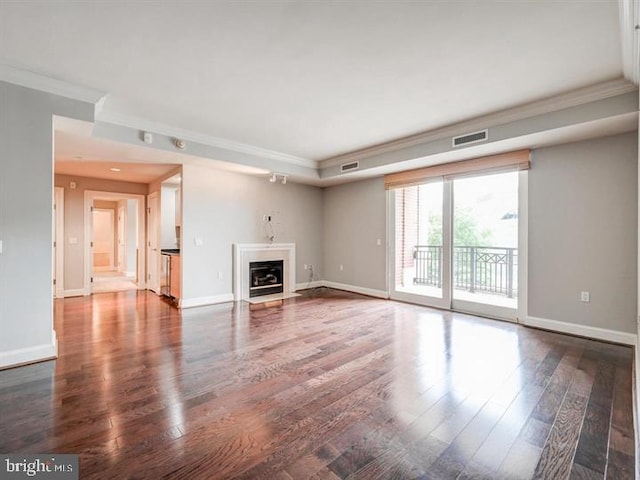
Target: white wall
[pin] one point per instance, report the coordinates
(354, 221)
(74, 220)
(583, 210)
(224, 208)
(26, 192)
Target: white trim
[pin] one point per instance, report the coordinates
(574, 98)
(582, 330)
(76, 292)
(22, 356)
(308, 285)
(630, 39)
(243, 253)
(636, 406)
(353, 288)
(59, 239)
(523, 245)
(202, 301)
(154, 281)
(89, 196)
(130, 274)
(505, 314)
(44, 83)
(201, 138)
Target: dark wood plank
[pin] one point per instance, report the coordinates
(327, 385)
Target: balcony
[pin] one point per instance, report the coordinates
(476, 270)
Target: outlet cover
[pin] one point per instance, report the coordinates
(585, 297)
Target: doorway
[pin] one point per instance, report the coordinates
(114, 233)
(458, 243)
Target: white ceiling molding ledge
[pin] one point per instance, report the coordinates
(201, 138)
(251, 162)
(36, 81)
(630, 36)
(573, 98)
(555, 120)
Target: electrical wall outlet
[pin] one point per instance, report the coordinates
(341, 268)
(306, 267)
(585, 297)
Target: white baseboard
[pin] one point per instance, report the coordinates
(77, 292)
(24, 356)
(201, 301)
(583, 330)
(130, 274)
(314, 284)
(353, 288)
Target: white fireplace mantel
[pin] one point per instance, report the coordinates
(244, 253)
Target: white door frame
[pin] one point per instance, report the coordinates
(153, 255)
(121, 235)
(445, 301)
(89, 197)
(58, 251)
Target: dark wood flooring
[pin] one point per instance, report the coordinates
(328, 385)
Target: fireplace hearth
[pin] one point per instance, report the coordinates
(265, 278)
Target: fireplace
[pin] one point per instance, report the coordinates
(265, 278)
(245, 254)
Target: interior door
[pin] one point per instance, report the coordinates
(153, 243)
(103, 240)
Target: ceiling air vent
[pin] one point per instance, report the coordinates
(470, 138)
(347, 167)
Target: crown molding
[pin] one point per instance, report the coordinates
(36, 81)
(570, 99)
(137, 123)
(630, 38)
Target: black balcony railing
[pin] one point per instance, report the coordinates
(475, 269)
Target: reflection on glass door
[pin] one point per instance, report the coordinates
(485, 241)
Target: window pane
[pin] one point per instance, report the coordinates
(485, 239)
(419, 239)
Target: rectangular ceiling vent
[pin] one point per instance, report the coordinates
(470, 138)
(347, 167)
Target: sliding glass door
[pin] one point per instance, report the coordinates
(420, 251)
(456, 243)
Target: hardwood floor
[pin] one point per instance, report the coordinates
(328, 385)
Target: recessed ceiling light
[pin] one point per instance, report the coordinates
(114, 169)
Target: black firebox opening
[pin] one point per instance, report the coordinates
(265, 278)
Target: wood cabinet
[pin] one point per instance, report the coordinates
(175, 274)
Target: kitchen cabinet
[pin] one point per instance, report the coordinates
(174, 274)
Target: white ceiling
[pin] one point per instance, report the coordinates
(314, 79)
